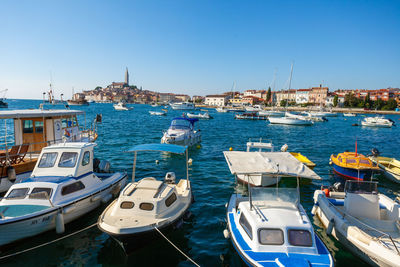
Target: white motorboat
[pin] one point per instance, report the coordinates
(182, 106)
(269, 226)
(377, 121)
(182, 132)
(291, 119)
(364, 221)
(147, 204)
(122, 106)
(204, 116)
(313, 116)
(271, 113)
(158, 113)
(64, 186)
(221, 109)
(349, 114)
(33, 130)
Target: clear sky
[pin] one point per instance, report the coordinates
(197, 47)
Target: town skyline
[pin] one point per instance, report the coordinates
(198, 48)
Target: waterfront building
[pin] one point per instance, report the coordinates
(318, 95)
(302, 96)
(287, 95)
(182, 98)
(197, 99)
(252, 100)
(216, 100)
(329, 100)
(166, 97)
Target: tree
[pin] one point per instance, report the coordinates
(391, 104)
(269, 95)
(283, 102)
(335, 100)
(378, 104)
(98, 88)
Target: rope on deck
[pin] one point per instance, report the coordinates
(47, 243)
(177, 247)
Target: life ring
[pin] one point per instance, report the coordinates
(66, 133)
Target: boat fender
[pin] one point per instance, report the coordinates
(284, 148)
(326, 192)
(314, 209)
(330, 226)
(12, 176)
(60, 227)
(190, 161)
(226, 205)
(230, 149)
(106, 198)
(226, 233)
(95, 198)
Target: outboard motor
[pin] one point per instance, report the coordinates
(170, 178)
(284, 148)
(99, 118)
(375, 152)
(392, 121)
(337, 187)
(104, 166)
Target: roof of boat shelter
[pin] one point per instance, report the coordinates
(273, 163)
(31, 113)
(159, 147)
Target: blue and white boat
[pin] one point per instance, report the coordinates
(182, 132)
(66, 183)
(269, 226)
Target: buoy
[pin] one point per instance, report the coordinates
(157, 161)
(226, 233)
(230, 149)
(330, 226)
(198, 146)
(314, 209)
(326, 192)
(190, 161)
(60, 227)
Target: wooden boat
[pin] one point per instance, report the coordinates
(363, 220)
(352, 165)
(269, 226)
(33, 130)
(147, 204)
(390, 167)
(65, 185)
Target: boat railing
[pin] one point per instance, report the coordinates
(378, 238)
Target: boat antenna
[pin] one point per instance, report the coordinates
(356, 146)
(134, 167)
(249, 189)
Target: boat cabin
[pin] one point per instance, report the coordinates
(274, 221)
(182, 123)
(148, 197)
(39, 127)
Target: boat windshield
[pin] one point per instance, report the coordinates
(181, 124)
(270, 195)
(361, 187)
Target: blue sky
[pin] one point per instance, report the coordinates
(197, 47)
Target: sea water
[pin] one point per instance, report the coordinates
(200, 236)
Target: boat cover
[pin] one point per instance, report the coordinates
(159, 147)
(269, 163)
(32, 113)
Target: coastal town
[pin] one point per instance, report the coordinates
(383, 98)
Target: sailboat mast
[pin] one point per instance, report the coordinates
(291, 73)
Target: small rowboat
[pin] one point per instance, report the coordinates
(390, 167)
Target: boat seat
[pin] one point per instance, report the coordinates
(22, 153)
(13, 154)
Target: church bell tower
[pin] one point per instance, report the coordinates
(127, 76)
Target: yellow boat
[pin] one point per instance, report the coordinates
(352, 165)
(300, 157)
(390, 166)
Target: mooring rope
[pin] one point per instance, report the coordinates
(177, 247)
(47, 243)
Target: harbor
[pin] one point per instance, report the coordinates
(201, 236)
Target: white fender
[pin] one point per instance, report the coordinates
(226, 233)
(60, 227)
(314, 209)
(330, 226)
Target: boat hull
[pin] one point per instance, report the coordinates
(350, 173)
(45, 220)
(289, 121)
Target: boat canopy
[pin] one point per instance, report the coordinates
(191, 120)
(31, 113)
(159, 147)
(269, 163)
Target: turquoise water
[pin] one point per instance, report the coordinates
(201, 237)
